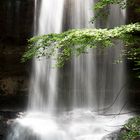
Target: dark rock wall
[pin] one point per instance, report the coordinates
(16, 26)
(133, 15)
(16, 20)
(133, 11)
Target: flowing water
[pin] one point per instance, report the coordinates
(67, 103)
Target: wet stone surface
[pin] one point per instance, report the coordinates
(6, 120)
(112, 136)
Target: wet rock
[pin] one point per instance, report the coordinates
(112, 136)
(13, 102)
(16, 26)
(3, 128)
(6, 120)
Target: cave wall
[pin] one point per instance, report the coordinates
(16, 26)
(133, 16)
(133, 11)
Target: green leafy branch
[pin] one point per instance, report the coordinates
(74, 42)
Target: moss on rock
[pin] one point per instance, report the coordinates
(131, 130)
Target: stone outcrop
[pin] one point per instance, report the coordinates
(133, 11)
(6, 120)
(16, 26)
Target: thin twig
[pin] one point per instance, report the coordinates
(119, 93)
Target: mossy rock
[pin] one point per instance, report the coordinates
(131, 130)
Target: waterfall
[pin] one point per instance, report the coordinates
(81, 81)
(43, 91)
(65, 104)
(88, 82)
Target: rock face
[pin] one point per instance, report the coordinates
(16, 20)
(16, 26)
(112, 136)
(6, 120)
(133, 12)
(133, 15)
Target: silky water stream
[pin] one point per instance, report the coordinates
(67, 103)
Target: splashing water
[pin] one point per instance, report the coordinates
(73, 125)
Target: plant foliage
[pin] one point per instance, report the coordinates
(77, 41)
(131, 129)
